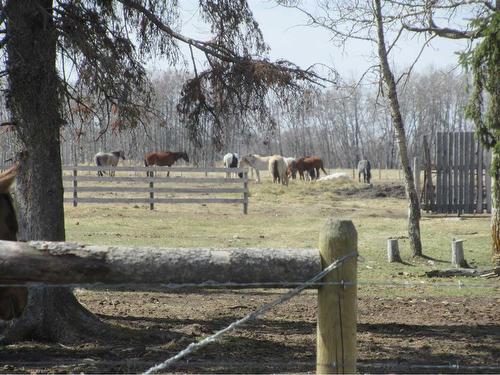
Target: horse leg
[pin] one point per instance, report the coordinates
(258, 175)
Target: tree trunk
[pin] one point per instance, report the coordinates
(495, 206)
(411, 192)
(33, 101)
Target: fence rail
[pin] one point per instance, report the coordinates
(151, 180)
(336, 345)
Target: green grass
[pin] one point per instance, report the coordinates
(288, 217)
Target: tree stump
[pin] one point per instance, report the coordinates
(393, 251)
(457, 254)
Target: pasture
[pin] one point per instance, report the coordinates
(407, 321)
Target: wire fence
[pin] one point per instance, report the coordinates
(253, 315)
(460, 284)
(298, 288)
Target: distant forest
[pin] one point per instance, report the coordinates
(340, 125)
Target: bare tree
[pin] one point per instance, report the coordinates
(373, 22)
(483, 60)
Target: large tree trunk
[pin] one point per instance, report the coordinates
(33, 101)
(411, 192)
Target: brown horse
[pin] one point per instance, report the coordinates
(12, 299)
(167, 158)
(309, 164)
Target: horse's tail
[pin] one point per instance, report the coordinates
(275, 170)
(145, 162)
(368, 170)
(323, 169)
(98, 161)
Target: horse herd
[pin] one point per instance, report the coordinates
(280, 168)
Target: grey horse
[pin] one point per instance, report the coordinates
(364, 168)
(109, 159)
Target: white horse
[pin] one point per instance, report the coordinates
(277, 169)
(231, 161)
(255, 162)
(108, 159)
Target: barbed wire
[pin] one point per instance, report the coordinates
(229, 285)
(312, 364)
(253, 315)
(198, 362)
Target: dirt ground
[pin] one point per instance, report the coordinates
(387, 190)
(399, 335)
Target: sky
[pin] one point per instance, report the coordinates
(306, 46)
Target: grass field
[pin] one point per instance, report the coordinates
(288, 217)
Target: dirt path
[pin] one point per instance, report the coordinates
(396, 335)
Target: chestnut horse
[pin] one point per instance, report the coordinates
(164, 158)
(12, 299)
(309, 164)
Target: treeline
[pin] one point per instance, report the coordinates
(341, 125)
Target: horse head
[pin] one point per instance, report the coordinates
(13, 300)
(8, 220)
(122, 154)
(248, 160)
(184, 155)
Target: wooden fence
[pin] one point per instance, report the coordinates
(150, 185)
(461, 183)
(42, 262)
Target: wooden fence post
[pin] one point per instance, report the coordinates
(457, 253)
(336, 326)
(151, 191)
(393, 251)
(245, 192)
(75, 187)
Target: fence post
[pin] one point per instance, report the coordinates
(393, 251)
(245, 192)
(75, 187)
(336, 326)
(151, 190)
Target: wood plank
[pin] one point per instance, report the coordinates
(125, 189)
(456, 151)
(461, 172)
(487, 181)
(472, 172)
(157, 200)
(449, 189)
(479, 177)
(439, 172)
(146, 180)
(153, 168)
(445, 172)
(466, 172)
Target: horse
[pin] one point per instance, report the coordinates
(255, 162)
(12, 299)
(364, 168)
(309, 163)
(231, 161)
(291, 168)
(277, 169)
(164, 158)
(109, 159)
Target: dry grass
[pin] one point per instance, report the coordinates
(291, 217)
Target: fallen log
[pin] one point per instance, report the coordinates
(69, 263)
